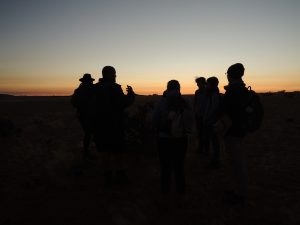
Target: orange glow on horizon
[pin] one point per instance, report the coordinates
(63, 83)
(63, 87)
(187, 90)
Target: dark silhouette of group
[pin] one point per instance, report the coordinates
(100, 110)
(218, 119)
(207, 105)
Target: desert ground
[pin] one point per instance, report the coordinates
(45, 181)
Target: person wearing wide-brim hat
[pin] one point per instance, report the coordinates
(87, 78)
(82, 101)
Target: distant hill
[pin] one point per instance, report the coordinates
(4, 96)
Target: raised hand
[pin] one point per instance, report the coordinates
(129, 90)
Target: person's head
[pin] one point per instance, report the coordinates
(86, 79)
(173, 85)
(212, 82)
(235, 71)
(201, 82)
(109, 74)
(173, 95)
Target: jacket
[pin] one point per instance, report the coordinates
(169, 105)
(233, 107)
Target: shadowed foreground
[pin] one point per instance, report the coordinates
(44, 179)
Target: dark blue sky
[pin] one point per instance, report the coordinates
(149, 42)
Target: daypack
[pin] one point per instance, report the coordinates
(176, 123)
(172, 123)
(253, 111)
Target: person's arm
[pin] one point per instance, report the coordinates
(224, 122)
(158, 113)
(122, 101)
(188, 120)
(130, 97)
(215, 103)
(74, 99)
(195, 100)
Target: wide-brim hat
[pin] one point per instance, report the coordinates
(86, 77)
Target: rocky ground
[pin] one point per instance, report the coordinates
(44, 179)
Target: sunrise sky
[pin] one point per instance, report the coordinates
(46, 46)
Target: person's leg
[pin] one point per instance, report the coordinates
(106, 158)
(180, 148)
(86, 142)
(119, 164)
(199, 127)
(86, 134)
(165, 165)
(237, 157)
(216, 149)
(206, 139)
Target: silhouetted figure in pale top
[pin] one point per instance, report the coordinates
(199, 103)
(172, 118)
(211, 115)
(82, 100)
(233, 107)
(110, 103)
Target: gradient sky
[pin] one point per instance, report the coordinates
(46, 46)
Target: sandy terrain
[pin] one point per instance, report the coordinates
(44, 179)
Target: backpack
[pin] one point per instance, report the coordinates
(253, 111)
(172, 121)
(176, 123)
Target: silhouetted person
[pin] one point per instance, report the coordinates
(199, 107)
(212, 106)
(172, 119)
(82, 100)
(234, 101)
(110, 103)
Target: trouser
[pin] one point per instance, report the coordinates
(87, 130)
(215, 142)
(237, 159)
(208, 138)
(203, 143)
(172, 154)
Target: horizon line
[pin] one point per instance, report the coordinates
(154, 94)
